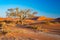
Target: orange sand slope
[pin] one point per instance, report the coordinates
(37, 18)
(23, 32)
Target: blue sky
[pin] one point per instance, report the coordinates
(48, 8)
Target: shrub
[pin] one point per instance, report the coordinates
(3, 32)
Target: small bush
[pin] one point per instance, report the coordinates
(3, 32)
(0, 25)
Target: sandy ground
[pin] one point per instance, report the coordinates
(27, 33)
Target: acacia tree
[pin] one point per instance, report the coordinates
(11, 13)
(23, 14)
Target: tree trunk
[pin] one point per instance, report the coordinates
(21, 22)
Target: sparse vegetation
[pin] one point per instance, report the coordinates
(23, 14)
(21, 27)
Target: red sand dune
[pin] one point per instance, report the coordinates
(11, 19)
(44, 18)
